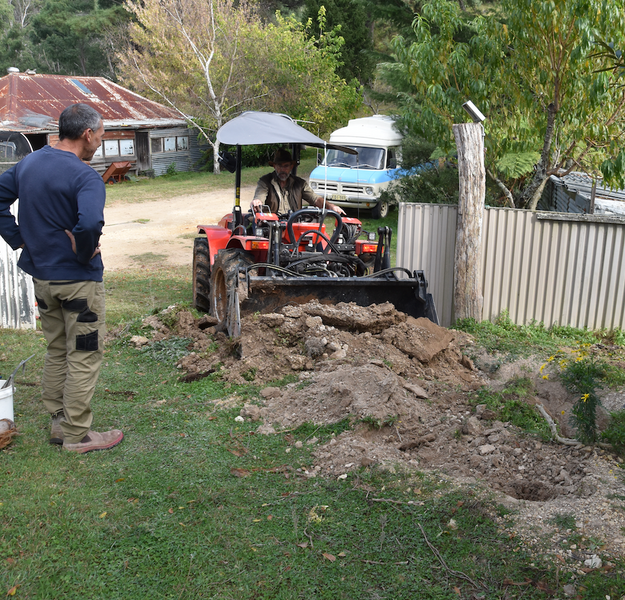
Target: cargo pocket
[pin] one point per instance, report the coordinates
(87, 342)
(81, 306)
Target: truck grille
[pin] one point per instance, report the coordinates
(330, 187)
(352, 189)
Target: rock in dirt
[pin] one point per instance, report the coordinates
(419, 338)
(138, 341)
(375, 318)
(251, 412)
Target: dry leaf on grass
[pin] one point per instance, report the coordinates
(240, 472)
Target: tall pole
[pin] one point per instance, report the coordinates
(468, 298)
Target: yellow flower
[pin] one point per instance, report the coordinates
(585, 397)
(545, 376)
(551, 358)
(541, 368)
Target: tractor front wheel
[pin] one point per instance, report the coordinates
(226, 294)
(201, 274)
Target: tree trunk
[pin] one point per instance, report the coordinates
(540, 175)
(216, 165)
(502, 186)
(468, 299)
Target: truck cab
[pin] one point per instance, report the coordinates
(356, 181)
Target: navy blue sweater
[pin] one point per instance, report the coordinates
(56, 191)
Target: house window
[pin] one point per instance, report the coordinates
(111, 148)
(99, 153)
(170, 144)
(126, 147)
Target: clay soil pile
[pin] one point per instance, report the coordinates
(408, 388)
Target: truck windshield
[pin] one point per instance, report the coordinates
(367, 158)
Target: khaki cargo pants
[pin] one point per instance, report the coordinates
(72, 319)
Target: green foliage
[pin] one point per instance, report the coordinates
(434, 186)
(564, 521)
(322, 432)
(215, 60)
(250, 374)
(511, 405)
(533, 75)
(582, 377)
(168, 350)
(517, 164)
(377, 423)
(171, 170)
(416, 151)
(349, 19)
(503, 337)
(614, 433)
(69, 37)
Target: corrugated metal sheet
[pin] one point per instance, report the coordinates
(538, 266)
(25, 101)
(187, 160)
(161, 162)
(426, 240)
(17, 299)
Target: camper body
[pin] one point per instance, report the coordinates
(356, 181)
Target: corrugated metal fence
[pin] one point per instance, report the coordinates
(546, 267)
(17, 302)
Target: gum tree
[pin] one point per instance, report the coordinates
(212, 60)
(535, 75)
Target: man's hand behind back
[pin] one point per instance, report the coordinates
(72, 239)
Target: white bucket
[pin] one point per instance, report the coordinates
(6, 401)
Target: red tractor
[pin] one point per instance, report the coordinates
(261, 261)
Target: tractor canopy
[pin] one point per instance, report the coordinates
(256, 128)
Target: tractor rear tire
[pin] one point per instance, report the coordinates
(201, 274)
(380, 210)
(226, 293)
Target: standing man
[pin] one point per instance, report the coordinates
(61, 215)
(282, 191)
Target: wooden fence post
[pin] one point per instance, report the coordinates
(468, 298)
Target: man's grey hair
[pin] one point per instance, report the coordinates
(75, 119)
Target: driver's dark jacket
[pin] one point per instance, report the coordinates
(268, 192)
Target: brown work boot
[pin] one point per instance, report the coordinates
(96, 441)
(56, 432)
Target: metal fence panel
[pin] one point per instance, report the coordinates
(426, 241)
(17, 300)
(544, 267)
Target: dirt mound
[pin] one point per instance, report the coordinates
(404, 384)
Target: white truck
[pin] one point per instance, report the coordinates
(357, 180)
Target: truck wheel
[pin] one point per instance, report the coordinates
(225, 293)
(380, 210)
(201, 274)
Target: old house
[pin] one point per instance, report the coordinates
(147, 134)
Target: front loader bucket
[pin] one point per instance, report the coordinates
(268, 294)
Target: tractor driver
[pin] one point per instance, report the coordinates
(282, 191)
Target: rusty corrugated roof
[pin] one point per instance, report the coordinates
(34, 102)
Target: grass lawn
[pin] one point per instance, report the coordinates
(193, 504)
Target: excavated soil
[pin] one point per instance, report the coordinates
(408, 387)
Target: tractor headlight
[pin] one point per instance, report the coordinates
(369, 191)
(313, 185)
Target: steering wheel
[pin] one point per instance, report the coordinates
(314, 214)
